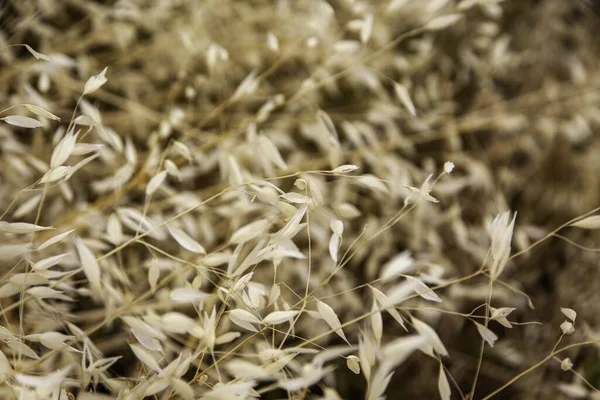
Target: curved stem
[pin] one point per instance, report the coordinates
(538, 364)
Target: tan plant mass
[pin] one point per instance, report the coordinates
(299, 199)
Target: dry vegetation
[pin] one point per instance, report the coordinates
(311, 199)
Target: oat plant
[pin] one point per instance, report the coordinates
(236, 200)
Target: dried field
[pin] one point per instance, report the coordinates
(312, 199)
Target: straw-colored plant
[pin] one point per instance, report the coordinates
(230, 200)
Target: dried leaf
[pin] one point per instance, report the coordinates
(347, 211)
(431, 336)
(37, 55)
(501, 232)
(5, 367)
(63, 150)
(331, 318)
(272, 42)
(278, 317)
(243, 315)
(243, 319)
(52, 380)
(337, 227)
(248, 86)
(271, 152)
(292, 225)
(422, 290)
(23, 349)
(344, 169)
(487, 335)
(175, 322)
(279, 364)
(569, 313)
(386, 304)
(22, 122)
(8, 251)
(274, 294)
(43, 292)
(56, 174)
(227, 337)
(315, 193)
(143, 327)
(566, 364)
(40, 112)
(398, 350)
(376, 323)
(183, 389)
(328, 122)
(54, 239)
(592, 222)
(443, 385)
(185, 240)
(398, 265)
(443, 22)
(574, 390)
(48, 262)
(135, 220)
(502, 312)
(27, 206)
(51, 340)
(90, 265)
(295, 198)
(250, 231)
(6, 335)
(366, 29)
(148, 342)
(242, 369)
(500, 315)
(22, 227)
(145, 356)
(448, 167)
(567, 328)
(95, 82)
(404, 97)
(103, 364)
(372, 182)
(188, 295)
(353, 364)
(304, 381)
(29, 279)
(334, 245)
(155, 183)
(153, 275)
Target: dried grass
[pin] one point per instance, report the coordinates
(242, 199)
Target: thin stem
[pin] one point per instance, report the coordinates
(538, 364)
(482, 347)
